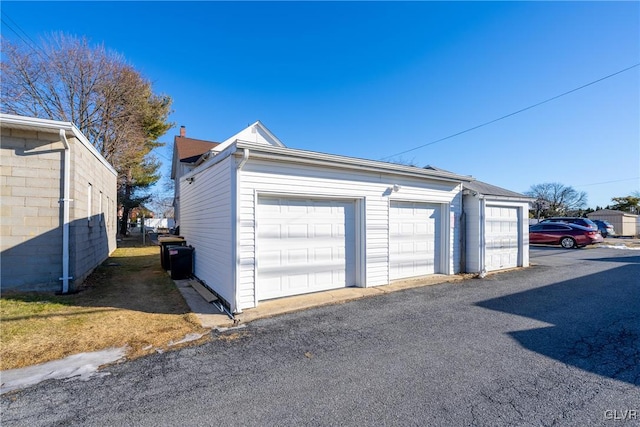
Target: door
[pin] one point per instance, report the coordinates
(502, 237)
(414, 239)
(304, 245)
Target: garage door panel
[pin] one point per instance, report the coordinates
(414, 234)
(315, 241)
(502, 237)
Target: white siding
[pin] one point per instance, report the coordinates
(374, 189)
(207, 224)
(377, 241)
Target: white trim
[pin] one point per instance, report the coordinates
(361, 242)
(256, 245)
(235, 233)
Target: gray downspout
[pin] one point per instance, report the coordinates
(65, 212)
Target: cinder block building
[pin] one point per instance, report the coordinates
(58, 205)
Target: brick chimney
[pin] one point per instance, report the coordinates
(183, 131)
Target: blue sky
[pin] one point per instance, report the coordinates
(373, 79)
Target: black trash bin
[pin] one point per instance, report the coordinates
(165, 242)
(181, 261)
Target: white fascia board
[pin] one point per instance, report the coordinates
(491, 199)
(335, 161)
(54, 126)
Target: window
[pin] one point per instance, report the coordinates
(555, 227)
(100, 211)
(89, 200)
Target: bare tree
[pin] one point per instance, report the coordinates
(555, 199)
(107, 99)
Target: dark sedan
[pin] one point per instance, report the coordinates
(605, 227)
(563, 234)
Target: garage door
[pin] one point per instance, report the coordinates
(501, 235)
(414, 238)
(304, 245)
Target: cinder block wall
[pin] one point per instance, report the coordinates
(93, 232)
(31, 215)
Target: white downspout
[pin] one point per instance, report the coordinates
(245, 157)
(65, 212)
(483, 241)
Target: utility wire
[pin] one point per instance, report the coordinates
(609, 182)
(29, 43)
(511, 114)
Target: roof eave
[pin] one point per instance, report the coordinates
(336, 161)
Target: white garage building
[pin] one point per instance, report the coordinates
(267, 221)
(496, 225)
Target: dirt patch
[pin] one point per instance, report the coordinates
(129, 301)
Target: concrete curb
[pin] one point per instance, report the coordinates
(212, 318)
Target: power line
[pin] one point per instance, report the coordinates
(512, 114)
(609, 182)
(30, 43)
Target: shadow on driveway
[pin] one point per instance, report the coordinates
(595, 318)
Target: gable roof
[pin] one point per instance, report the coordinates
(284, 154)
(254, 133)
(486, 189)
(492, 190)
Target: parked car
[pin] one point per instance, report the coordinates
(564, 234)
(605, 227)
(585, 222)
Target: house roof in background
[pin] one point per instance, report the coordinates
(189, 150)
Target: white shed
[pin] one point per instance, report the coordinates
(268, 221)
(496, 228)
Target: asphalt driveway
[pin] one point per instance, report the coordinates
(555, 344)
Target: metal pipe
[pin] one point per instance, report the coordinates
(483, 241)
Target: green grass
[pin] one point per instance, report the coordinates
(127, 301)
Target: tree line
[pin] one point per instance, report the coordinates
(556, 199)
(112, 104)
